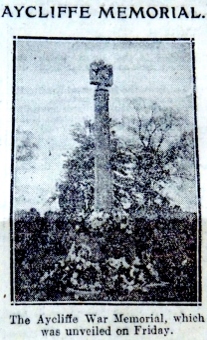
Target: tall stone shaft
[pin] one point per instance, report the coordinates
(103, 194)
(101, 75)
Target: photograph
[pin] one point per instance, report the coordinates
(105, 185)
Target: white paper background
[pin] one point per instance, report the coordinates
(94, 27)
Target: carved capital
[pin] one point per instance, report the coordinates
(101, 74)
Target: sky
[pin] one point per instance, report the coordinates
(53, 93)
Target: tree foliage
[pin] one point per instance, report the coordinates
(141, 165)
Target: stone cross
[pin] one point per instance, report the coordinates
(101, 75)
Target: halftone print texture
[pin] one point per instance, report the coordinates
(105, 202)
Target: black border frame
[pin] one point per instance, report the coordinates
(12, 234)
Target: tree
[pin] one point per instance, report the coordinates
(26, 149)
(158, 152)
(76, 191)
(141, 165)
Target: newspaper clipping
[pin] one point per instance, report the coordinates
(103, 175)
